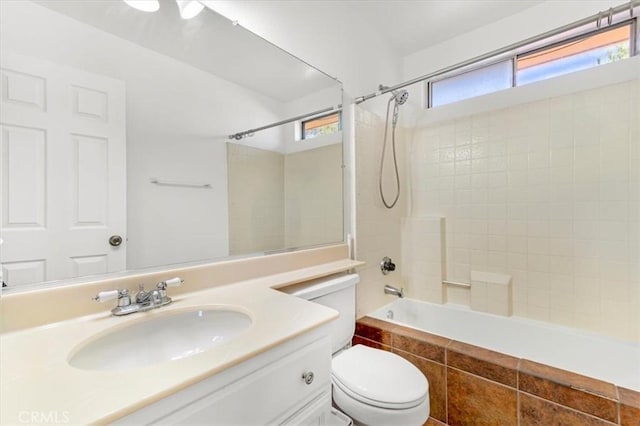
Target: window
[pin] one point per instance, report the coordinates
(322, 125)
(575, 55)
(544, 59)
(473, 83)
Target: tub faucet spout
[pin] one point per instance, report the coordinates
(388, 289)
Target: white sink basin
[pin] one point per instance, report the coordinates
(162, 338)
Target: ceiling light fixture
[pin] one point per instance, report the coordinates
(144, 5)
(189, 8)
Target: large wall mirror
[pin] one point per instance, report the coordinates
(117, 152)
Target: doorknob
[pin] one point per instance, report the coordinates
(115, 240)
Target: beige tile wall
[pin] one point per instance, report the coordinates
(256, 199)
(377, 228)
(278, 200)
(313, 196)
(547, 192)
(423, 257)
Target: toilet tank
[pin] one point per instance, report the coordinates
(339, 293)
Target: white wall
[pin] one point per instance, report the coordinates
(178, 121)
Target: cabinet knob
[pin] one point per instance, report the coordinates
(308, 377)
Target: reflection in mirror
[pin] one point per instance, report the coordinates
(116, 153)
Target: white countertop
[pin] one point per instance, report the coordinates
(35, 376)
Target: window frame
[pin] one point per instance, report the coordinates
(317, 117)
(579, 37)
(539, 46)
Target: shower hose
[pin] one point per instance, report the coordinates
(384, 148)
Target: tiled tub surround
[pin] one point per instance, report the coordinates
(546, 192)
(378, 229)
(561, 347)
(470, 385)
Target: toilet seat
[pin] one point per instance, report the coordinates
(379, 378)
(364, 414)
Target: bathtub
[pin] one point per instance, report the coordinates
(590, 354)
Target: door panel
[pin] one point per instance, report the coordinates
(24, 272)
(89, 265)
(90, 180)
(23, 89)
(24, 176)
(64, 163)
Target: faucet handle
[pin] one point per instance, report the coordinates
(387, 265)
(172, 282)
(103, 296)
(122, 295)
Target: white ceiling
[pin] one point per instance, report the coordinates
(413, 25)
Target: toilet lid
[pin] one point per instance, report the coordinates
(379, 378)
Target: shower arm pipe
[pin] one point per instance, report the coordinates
(250, 132)
(598, 18)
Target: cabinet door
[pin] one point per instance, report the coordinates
(316, 413)
(266, 395)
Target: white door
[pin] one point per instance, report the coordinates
(63, 171)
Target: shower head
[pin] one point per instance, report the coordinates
(400, 96)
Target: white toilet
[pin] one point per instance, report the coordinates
(372, 386)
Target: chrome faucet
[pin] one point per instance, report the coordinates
(387, 265)
(389, 289)
(144, 300)
(152, 297)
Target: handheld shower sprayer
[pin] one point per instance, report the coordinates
(400, 97)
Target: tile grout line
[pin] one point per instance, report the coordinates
(591, 416)
(446, 383)
(518, 392)
(483, 378)
(618, 406)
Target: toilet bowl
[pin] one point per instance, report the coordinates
(376, 387)
(371, 386)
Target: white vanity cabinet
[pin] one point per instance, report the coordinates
(289, 384)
